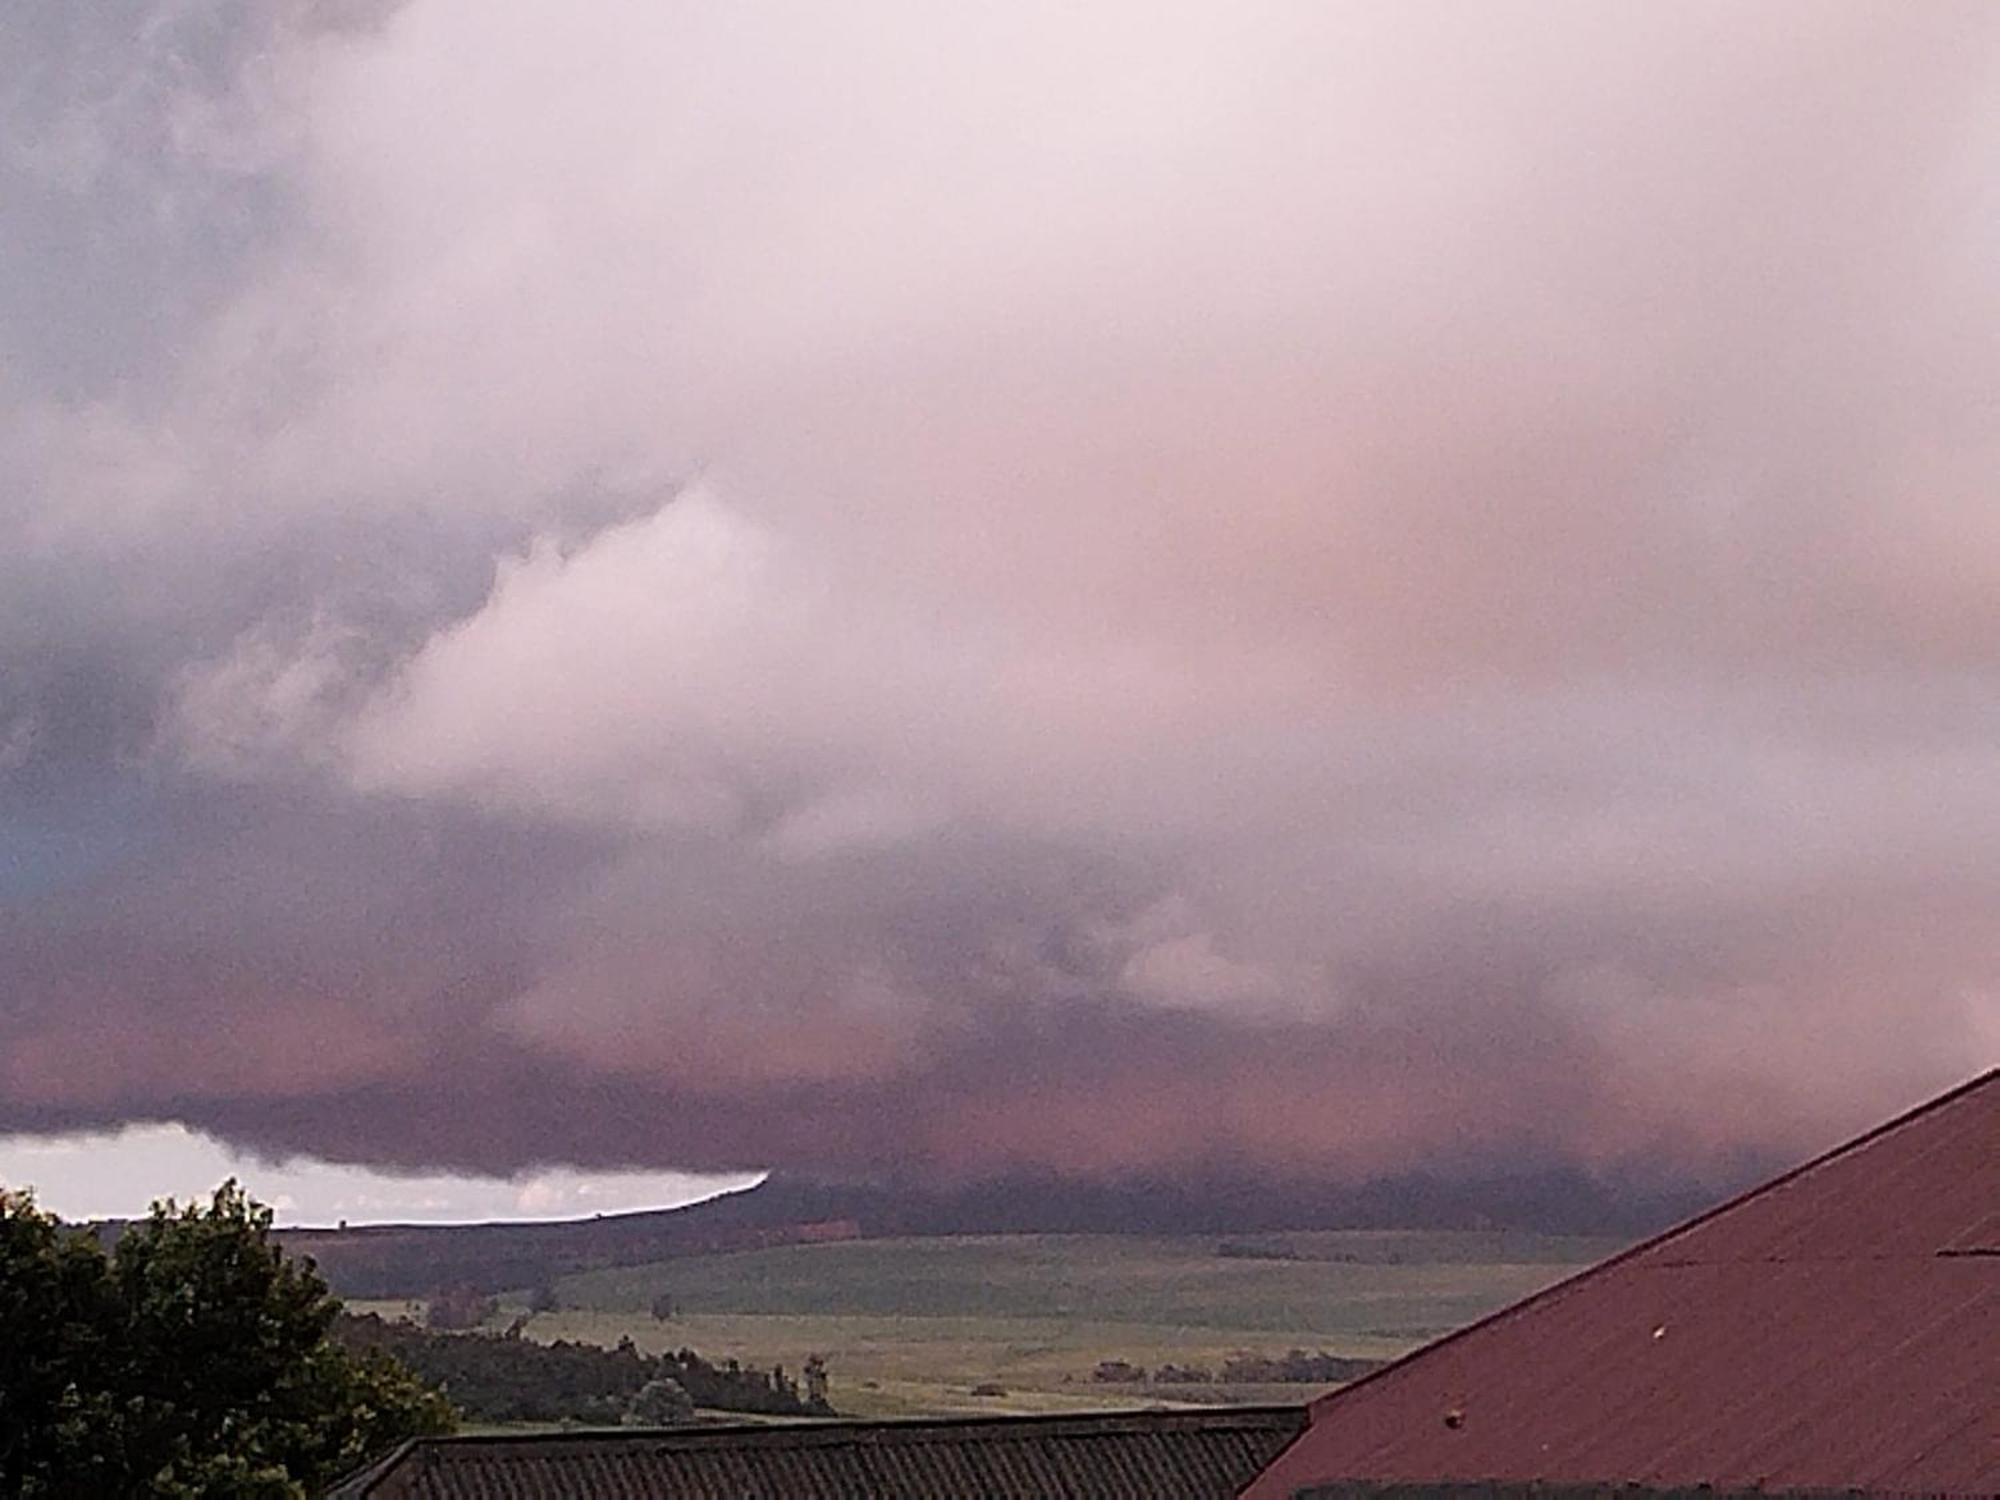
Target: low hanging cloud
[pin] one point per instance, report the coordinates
(1319, 588)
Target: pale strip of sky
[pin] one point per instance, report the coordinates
(116, 1175)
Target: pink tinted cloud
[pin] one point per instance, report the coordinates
(1323, 586)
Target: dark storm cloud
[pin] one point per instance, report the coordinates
(1319, 587)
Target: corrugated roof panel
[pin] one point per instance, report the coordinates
(1835, 1330)
(1199, 1455)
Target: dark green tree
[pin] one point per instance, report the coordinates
(458, 1307)
(192, 1359)
(660, 1402)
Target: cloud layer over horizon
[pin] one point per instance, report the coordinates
(1321, 588)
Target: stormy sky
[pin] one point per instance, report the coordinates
(947, 588)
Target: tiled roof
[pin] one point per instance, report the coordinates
(1181, 1455)
(1836, 1329)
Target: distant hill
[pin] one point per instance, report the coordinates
(397, 1261)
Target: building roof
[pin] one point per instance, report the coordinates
(1199, 1455)
(1836, 1329)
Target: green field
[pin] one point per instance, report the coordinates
(912, 1325)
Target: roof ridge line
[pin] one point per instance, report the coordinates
(1631, 1252)
(362, 1481)
(836, 1427)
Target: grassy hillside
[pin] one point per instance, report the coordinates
(910, 1325)
(396, 1261)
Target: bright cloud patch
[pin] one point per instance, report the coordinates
(117, 1175)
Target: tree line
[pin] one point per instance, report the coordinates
(1294, 1366)
(503, 1377)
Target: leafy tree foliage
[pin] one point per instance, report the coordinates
(192, 1358)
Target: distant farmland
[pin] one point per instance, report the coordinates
(418, 1260)
(917, 1324)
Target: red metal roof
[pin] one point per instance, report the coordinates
(1836, 1329)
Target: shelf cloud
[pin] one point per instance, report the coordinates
(952, 589)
